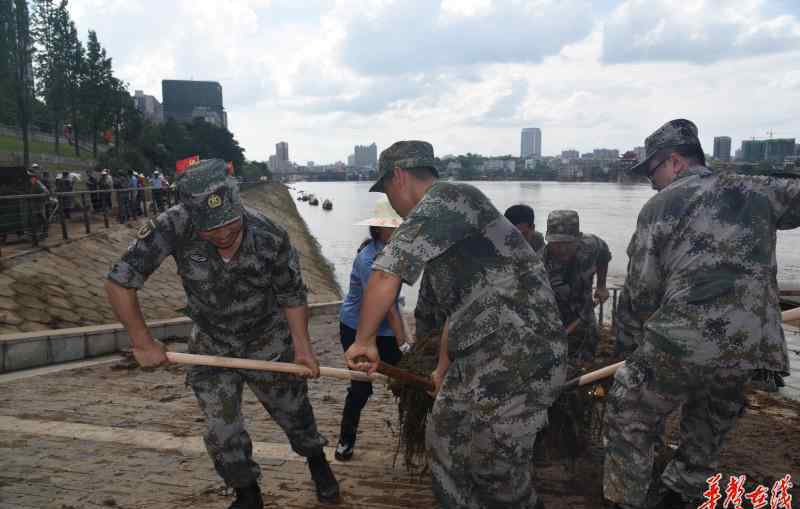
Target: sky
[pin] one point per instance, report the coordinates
(466, 75)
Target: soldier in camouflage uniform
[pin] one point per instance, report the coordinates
(523, 217)
(702, 297)
(503, 347)
(573, 259)
(247, 299)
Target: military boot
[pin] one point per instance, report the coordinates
(326, 484)
(248, 497)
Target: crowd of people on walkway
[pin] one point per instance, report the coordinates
(129, 188)
(699, 314)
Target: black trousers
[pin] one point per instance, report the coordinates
(359, 392)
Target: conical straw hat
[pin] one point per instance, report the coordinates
(383, 215)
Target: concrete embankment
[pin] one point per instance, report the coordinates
(58, 292)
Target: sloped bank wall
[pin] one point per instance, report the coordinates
(62, 287)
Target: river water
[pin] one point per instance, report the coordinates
(606, 209)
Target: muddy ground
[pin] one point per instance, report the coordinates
(107, 436)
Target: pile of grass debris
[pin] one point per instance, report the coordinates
(575, 420)
(415, 405)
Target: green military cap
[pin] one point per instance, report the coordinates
(405, 155)
(675, 133)
(563, 226)
(210, 195)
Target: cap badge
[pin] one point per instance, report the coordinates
(214, 201)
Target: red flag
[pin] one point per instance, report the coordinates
(184, 164)
(230, 168)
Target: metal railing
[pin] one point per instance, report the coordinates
(31, 215)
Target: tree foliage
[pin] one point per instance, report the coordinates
(49, 79)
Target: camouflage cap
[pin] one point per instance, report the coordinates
(210, 196)
(675, 133)
(405, 155)
(563, 226)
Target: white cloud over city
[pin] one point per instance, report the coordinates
(466, 75)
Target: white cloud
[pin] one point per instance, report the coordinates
(700, 31)
(466, 75)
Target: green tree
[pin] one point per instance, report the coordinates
(8, 99)
(50, 36)
(96, 88)
(21, 55)
(75, 75)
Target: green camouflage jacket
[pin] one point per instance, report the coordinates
(572, 282)
(235, 303)
(480, 274)
(702, 276)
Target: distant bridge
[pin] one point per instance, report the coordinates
(321, 176)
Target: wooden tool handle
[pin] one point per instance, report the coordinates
(276, 367)
(405, 376)
(791, 315)
(593, 376)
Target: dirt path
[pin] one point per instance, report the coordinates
(102, 437)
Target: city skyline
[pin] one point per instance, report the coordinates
(589, 74)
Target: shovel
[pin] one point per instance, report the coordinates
(599, 374)
(385, 371)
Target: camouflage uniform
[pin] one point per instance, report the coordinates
(703, 298)
(537, 241)
(572, 282)
(236, 307)
(506, 343)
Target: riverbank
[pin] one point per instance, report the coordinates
(61, 285)
(107, 434)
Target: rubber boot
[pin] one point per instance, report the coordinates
(325, 482)
(349, 429)
(248, 497)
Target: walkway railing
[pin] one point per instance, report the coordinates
(30, 215)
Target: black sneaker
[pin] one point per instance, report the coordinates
(248, 498)
(344, 449)
(326, 484)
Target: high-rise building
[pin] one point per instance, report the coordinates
(778, 149)
(753, 151)
(722, 148)
(605, 154)
(185, 100)
(531, 142)
(282, 151)
(775, 150)
(149, 106)
(365, 155)
(570, 155)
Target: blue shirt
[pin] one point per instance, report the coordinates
(362, 268)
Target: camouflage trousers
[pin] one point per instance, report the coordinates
(582, 344)
(482, 432)
(284, 397)
(646, 390)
